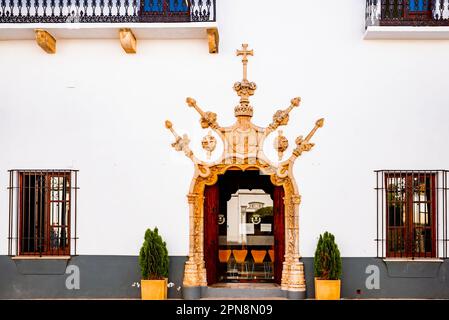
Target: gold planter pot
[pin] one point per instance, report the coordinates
(154, 289)
(327, 289)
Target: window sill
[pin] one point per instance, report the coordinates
(413, 268)
(46, 265)
(413, 260)
(406, 33)
(41, 258)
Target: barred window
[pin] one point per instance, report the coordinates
(412, 213)
(42, 212)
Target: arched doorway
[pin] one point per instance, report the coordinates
(244, 229)
(243, 151)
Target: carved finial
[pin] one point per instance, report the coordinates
(181, 143)
(208, 119)
(281, 117)
(244, 89)
(245, 53)
(168, 124)
(305, 144)
(191, 102)
(296, 101)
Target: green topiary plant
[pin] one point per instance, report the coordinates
(153, 257)
(327, 262)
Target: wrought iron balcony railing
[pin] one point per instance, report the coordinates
(407, 13)
(106, 11)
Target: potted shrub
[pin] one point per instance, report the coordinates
(153, 261)
(327, 266)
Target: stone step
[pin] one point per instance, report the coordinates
(246, 291)
(246, 298)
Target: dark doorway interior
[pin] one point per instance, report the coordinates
(246, 244)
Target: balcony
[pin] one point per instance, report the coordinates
(48, 20)
(407, 19)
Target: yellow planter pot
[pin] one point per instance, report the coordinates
(154, 289)
(327, 289)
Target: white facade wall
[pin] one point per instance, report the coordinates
(94, 108)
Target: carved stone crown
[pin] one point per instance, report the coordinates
(244, 90)
(243, 110)
(243, 141)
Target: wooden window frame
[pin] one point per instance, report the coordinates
(409, 228)
(47, 251)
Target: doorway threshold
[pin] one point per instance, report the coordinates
(243, 290)
(245, 285)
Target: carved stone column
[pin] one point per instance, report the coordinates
(289, 238)
(296, 279)
(195, 270)
(191, 268)
(285, 274)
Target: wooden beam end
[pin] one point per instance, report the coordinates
(46, 41)
(213, 39)
(128, 40)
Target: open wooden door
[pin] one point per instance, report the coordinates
(211, 205)
(279, 231)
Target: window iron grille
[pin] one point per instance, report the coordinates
(42, 212)
(411, 217)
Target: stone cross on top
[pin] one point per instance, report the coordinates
(245, 53)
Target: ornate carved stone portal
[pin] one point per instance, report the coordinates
(243, 150)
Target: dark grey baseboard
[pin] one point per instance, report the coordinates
(404, 282)
(119, 276)
(100, 277)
